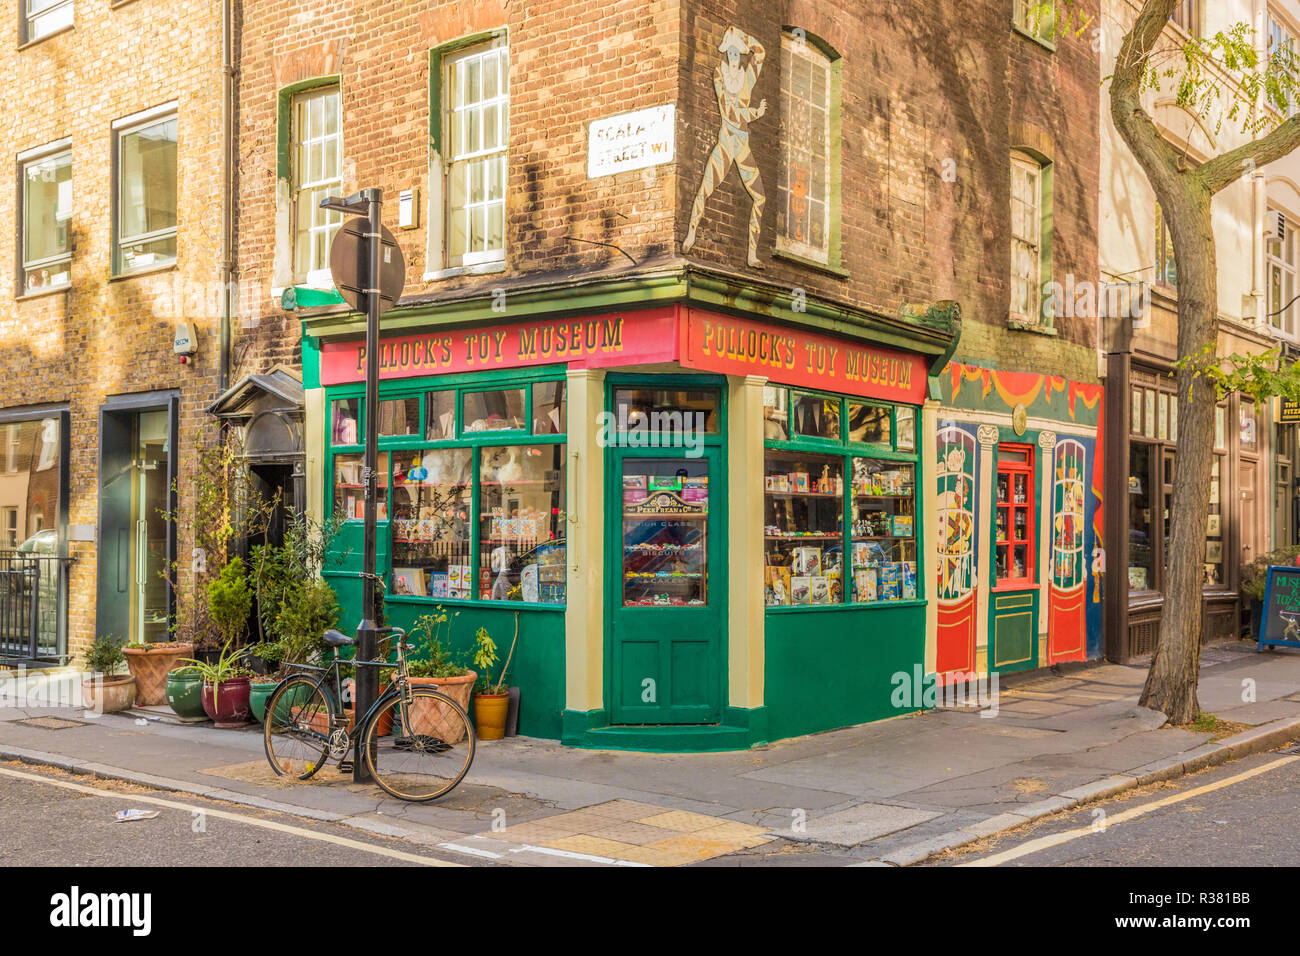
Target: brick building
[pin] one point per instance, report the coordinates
(113, 226)
(794, 225)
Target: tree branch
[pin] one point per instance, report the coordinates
(1156, 154)
(1225, 169)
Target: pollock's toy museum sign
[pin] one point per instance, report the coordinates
(695, 339)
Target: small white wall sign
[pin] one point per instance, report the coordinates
(637, 140)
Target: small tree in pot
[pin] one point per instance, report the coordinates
(105, 691)
(491, 699)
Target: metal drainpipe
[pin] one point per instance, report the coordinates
(227, 192)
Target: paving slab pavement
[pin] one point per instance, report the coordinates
(883, 791)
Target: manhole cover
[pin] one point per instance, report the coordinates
(49, 723)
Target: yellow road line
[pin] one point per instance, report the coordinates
(235, 817)
(1056, 839)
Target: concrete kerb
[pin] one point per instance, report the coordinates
(1255, 740)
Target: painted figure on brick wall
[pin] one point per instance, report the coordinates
(733, 82)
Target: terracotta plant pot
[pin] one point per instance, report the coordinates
(228, 706)
(108, 695)
(425, 718)
(185, 695)
(150, 666)
(490, 715)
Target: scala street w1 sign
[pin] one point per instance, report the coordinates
(629, 141)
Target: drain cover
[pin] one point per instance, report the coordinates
(49, 723)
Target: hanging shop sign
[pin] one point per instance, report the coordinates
(1288, 412)
(733, 346)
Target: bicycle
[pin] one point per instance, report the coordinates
(418, 743)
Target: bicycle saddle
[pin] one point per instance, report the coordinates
(336, 638)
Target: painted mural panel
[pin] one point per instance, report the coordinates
(1066, 629)
(956, 563)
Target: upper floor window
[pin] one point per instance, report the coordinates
(317, 165)
(1280, 249)
(146, 193)
(804, 183)
(46, 210)
(476, 122)
(43, 17)
(1035, 17)
(1281, 49)
(1188, 16)
(1166, 268)
(1028, 183)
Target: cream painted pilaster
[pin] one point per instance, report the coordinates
(314, 446)
(985, 572)
(584, 616)
(745, 640)
(927, 499)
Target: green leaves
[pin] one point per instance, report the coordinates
(1257, 376)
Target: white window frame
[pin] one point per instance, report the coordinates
(320, 221)
(1277, 265)
(792, 47)
(30, 15)
(9, 527)
(121, 129)
(1030, 239)
(1188, 17)
(458, 113)
(1278, 32)
(34, 157)
(13, 444)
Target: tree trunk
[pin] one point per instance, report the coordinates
(1171, 683)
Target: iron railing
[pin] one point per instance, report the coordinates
(33, 606)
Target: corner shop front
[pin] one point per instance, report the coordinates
(704, 524)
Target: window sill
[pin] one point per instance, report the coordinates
(145, 271)
(1020, 325)
(28, 44)
(845, 606)
(788, 256)
(1045, 44)
(480, 269)
(43, 293)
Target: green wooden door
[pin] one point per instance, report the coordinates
(1013, 630)
(116, 528)
(667, 587)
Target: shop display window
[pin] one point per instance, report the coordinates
(883, 533)
(399, 417)
(432, 502)
(345, 421)
(521, 523)
(350, 488)
(870, 424)
(549, 408)
(440, 416)
(500, 409)
(1013, 539)
(667, 410)
(803, 528)
(665, 525)
(814, 416)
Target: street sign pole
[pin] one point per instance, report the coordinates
(367, 678)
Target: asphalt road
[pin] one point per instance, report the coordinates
(49, 819)
(1216, 818)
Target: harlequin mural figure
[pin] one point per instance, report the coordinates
(733, 83)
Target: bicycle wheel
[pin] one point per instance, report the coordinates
(297, 729)
(428, 750)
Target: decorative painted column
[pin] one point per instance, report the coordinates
(1046, 444)
(746, 651)
(584, 616)
(984, 572)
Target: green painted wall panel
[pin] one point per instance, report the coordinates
(828, 669)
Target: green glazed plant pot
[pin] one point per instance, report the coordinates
(259, 692)
(185, 695)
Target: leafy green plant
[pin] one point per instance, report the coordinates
(105, 655)
(230, 665)
(485, 656)
(307, 612)
(433, 659)
(230, 601)
(1255, 575)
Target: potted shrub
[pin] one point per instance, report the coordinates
(1255, 575)
(150, 664)
(106, 691)
(491, 699)
(185, 693)
(225, 688)
(435, 668)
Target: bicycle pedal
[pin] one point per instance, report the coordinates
(345, 766)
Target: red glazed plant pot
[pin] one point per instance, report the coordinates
(228, 706)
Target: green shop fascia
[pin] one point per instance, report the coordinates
(697, 498)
